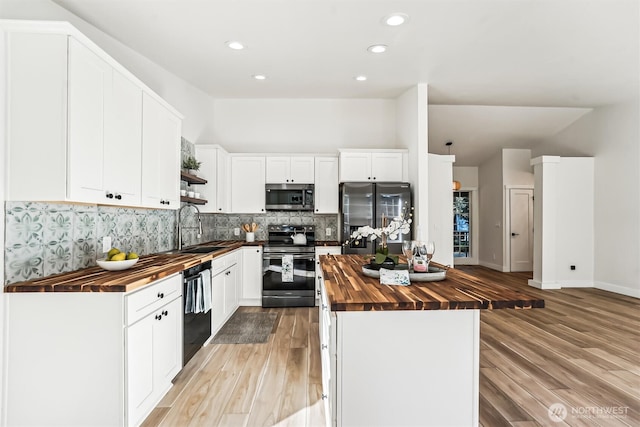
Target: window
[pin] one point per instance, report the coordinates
(461, 224)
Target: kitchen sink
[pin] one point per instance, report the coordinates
(202, 249)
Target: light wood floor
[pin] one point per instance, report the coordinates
(582, 350)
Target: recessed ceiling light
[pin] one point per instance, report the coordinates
(377, 48)
(360, 78)
(395, 19)
(235, 45)
(259, 77)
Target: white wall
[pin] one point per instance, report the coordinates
(195, 105)
(575, 222)
(3, 143)
(304, 125)
(612, 135)
(517, 169)
(411, 133)
(491, 202)
(467, 176)
(441, 207)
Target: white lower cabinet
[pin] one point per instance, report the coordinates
(328, 358)
(324, 250)
(251, 276)
(92, 358)
(226, 289)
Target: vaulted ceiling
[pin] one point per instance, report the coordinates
(524, 53)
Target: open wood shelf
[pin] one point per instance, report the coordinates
(191, 179)
(192, 200)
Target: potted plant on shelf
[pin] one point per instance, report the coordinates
(191, 165)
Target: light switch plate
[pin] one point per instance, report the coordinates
(328, 231)
(106, 243)
(236, 231)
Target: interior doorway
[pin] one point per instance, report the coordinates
(520, 233)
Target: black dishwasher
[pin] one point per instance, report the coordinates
(197, 322)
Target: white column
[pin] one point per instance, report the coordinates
(440, 228)
(545, 208)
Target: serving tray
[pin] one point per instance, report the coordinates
(433, 275)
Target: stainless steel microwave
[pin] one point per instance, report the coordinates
(289, 197)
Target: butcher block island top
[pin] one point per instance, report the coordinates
(148, 269)
(350, 290)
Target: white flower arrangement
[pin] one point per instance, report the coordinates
(389, 230)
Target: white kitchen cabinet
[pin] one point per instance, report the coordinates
(214, 169)
(123, 143)
(326, 185)
(160, 155)
(89, 86)
(283, 170)
(247, 184)
(251, 276)
(154, 357)
(226, 288)
(328, 357)
(110, 357)
(373, 165)
(88, 111)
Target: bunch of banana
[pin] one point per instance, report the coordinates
(114, 254)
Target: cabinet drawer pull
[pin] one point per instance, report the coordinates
(324, 396)
(160, 295)
(165, 313)
(324, 347)
(118, 196)
(158, 316)
(109, 196)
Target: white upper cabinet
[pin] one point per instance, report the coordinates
(283, 170)
(326, 185)
(75, 120)
(373, 165)
(89, 85)
(160, 155)
(247, 184)
(214, 169)
(123, 142)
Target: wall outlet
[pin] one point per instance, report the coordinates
(236, 231)
(106, 243)
(327, 232)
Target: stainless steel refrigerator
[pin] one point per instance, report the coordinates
(363, 203)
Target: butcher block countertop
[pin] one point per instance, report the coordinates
(349, 290)
(149, 268)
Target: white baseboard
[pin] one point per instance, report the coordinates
(576, 284)
(543, 285)
(623, 290)
(493, 266)
(247, 302)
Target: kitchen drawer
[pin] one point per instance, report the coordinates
(153, 296)
(221, 263)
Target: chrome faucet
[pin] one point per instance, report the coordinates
(180, 227)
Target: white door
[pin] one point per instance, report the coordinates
(247, 184)
(326, 185)
(521, 229)
(386, 167)
(302, 170)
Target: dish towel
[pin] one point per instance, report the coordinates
(189, 298)
(199, 296)
(206, 291)
(394, 277)
(287, 268)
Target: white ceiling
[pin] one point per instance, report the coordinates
(534, 53)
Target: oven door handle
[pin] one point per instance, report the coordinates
(295, 256)
(195, 276)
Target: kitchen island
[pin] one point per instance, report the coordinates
(403, 355)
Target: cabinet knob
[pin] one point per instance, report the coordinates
(220, 209)
(374, 177)
(262, 210)
(109, 195)
(324, 396)
(118, 196)
(318, 291)
(160, 295)
(158, 316)
(368, 177)
(165, 313)
(323, 347)
(168, 202)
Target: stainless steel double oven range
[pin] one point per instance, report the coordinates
(288, 265)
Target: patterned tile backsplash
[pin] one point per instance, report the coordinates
(46, 238)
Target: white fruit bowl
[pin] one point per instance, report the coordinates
(116, 265)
